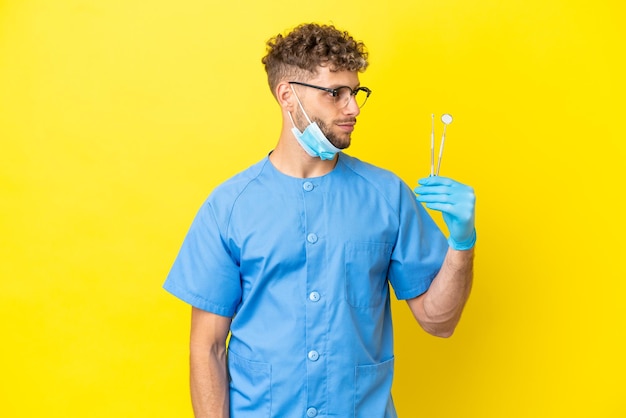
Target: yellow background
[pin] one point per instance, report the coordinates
(118, 117)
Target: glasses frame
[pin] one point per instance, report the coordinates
(335, 92)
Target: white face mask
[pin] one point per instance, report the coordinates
(313, 140)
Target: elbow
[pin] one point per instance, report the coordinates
(435, 322)
(440, 330)
(446, 333)
(440, 327)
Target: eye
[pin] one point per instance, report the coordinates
(343, 93)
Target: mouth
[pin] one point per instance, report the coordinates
(347, 126)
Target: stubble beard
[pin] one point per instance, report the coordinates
(342, 142)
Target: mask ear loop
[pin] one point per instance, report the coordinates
(300, 104)
(292, 122)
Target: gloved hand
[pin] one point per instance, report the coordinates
(456, 202)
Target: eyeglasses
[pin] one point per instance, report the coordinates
(343, 94)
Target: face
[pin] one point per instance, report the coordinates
(336, 123)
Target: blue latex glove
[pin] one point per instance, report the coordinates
(456, 202)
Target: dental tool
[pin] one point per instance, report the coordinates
(432, 146)
(446, 118)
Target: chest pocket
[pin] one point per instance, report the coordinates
(366, 266)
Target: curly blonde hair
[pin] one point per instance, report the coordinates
(309, 46)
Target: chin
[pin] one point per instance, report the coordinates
(340, 143)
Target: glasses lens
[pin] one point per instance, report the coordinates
(344, 95)
(360, 97)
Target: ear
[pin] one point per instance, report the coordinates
(284, 95)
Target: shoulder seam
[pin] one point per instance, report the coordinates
(378, 190)
(243, 189)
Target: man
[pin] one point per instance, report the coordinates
(294, 255)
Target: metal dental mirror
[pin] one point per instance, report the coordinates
(446, 118)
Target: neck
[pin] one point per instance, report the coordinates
(290, 159)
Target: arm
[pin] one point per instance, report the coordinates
(439, 309)
(207, 363)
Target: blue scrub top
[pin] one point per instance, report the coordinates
(303, 266)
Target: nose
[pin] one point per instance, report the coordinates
(352, 108)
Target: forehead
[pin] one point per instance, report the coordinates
(325, 77)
